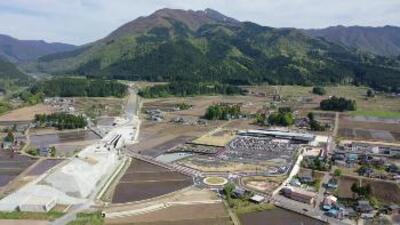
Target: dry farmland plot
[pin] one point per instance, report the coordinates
(11, 165)
(100, 106)
(43, 167)
(363, 128)
(344, 186)
(294, 95)
(200, 103)
(143, 181)
(384, 191)
(199, 214)
(27, 113)
(277, 216)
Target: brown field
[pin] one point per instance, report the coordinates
(200, 214)
(219, 138)
(156, 138)
(344, 186)
(24, 222)
(11, 165)
(100, 106)
(359, 128)
(27, 113)
(250, 104)
(277, 216)
(143, 181)
(384, 191)
(263, 184)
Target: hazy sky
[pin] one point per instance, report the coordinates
(82, 21)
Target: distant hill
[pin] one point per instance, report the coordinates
(15, 50)
(9, 71)
(174, 45)
(383, 41)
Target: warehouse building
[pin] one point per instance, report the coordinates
(37, 204)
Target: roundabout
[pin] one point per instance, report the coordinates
(215, 181)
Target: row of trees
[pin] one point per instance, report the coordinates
(338, 104)
(222, 112)
(79, 87)
(183, 89)
(61, 120)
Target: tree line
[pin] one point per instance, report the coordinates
(183, 89)
(79, 87)
(61, 120)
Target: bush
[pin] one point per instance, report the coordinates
(281, 118)
(319, 91)
(338, 104)
(338, 172)
(222, 112)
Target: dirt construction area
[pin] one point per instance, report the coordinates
(157, 138)
(143, 180)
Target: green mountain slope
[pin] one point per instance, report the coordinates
(207, 46)
(383, 41)
(9, 71)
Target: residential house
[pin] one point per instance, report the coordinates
(363, 206)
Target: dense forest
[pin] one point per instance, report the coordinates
(61, 120)
(183, 89)
(79, 87)
(223, 111)
(338, 104)
(237, 54)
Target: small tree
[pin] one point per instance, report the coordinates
(338, 172)
(10, 137)
(354, 189)
(52, 151)
(370, 93)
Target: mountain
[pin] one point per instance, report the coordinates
(9, 71)
(175, 45)
(15, 50)
(383, 41)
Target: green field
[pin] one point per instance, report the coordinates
(88, 219)
(52, 215)
(380, 114)
(379, 106)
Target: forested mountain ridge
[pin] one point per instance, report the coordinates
(383, 41)
(9, 71)
(15, 50)
(173, 45)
